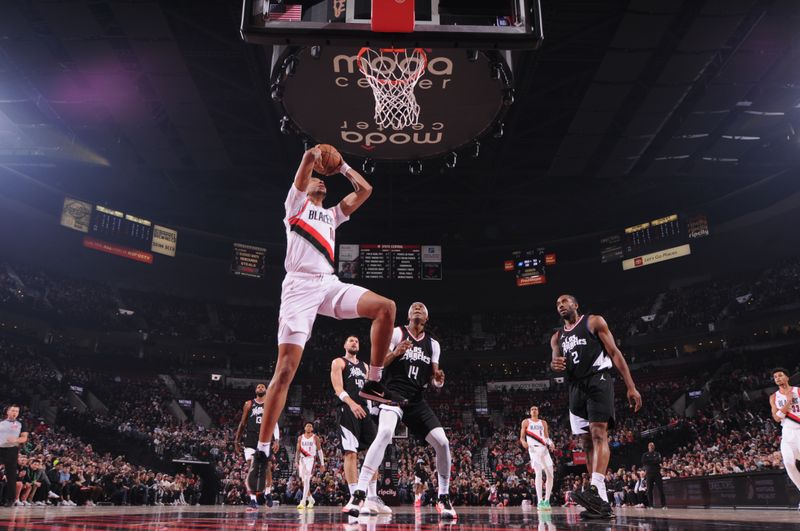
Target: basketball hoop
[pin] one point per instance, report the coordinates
(392, 73)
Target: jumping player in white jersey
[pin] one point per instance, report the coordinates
(785, 405)
(534, 435)
(310, 287)
(308, 446)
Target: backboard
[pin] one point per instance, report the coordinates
(463, 95)
(478, 24)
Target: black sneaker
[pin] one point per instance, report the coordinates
(353, 508)
(376, 392)
(605, 513)
(589, 499)
(268, 499)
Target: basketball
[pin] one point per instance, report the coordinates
(330, 161)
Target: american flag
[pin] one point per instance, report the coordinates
(285, 13)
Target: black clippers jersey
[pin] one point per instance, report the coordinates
(253, 424)
(354, 375)
(584, 350)
(412, 372)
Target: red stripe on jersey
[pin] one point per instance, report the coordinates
(299, 212)
(793, 417)
(311, 231)
(531, 434)
(302, 451)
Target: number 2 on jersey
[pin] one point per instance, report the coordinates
(575, 358)
(413, 371)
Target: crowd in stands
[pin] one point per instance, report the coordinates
(57, 468)
(694, 306)
(730, 429)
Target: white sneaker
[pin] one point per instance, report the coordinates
(378, 506)
(72, 503)
(18, 503)
(39, 503)
(370, 508)
(52, 495)
(310, 502)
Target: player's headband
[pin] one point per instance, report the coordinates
(410, 308)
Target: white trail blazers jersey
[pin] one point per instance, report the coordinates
(310, 234)
(792, 420)
(534, 432)
(308, 447)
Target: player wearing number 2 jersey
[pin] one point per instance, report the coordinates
(585, 348)
(410, 367)
(311, 288)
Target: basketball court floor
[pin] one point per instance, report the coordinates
(404, 518)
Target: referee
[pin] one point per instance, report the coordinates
(12, 434)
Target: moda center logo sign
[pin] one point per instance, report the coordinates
(329, 99)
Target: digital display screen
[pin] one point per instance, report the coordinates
(117, 227)
(653, 241)
(390, 262)
(248, 260)
(530, 266)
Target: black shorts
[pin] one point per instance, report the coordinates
(591, 399)
(418, 417)
(356, 434)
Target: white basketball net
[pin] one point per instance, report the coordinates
(392, 74)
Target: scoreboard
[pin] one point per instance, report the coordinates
(530, 266)
(653, 241)
(114, 226)
(114, 232)
(390, 262)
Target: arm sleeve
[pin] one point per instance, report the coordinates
(276, 434)
(294, 201)
(435, 351)
(397, 337)
(338, 215)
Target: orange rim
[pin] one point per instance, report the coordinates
(412, 79)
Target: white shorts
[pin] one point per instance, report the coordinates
(249, 453)
(304, 295)
(790, 446)
(305, 466)
(540, 457)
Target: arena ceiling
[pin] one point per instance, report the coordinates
(632, 109)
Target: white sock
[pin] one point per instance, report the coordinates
(537, 483)
(263, 447)
(267, 490)
(599, 481)
(375, 373)
(387, 422)
(254, 497)
(352, 487)
(372, 489)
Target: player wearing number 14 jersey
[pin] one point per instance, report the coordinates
(412, 364)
